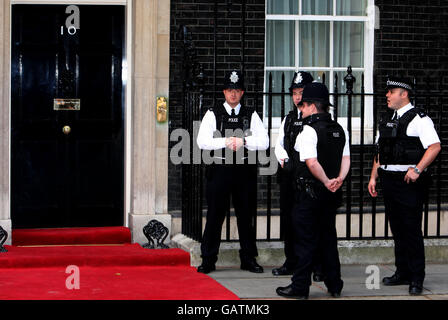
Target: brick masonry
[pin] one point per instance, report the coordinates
(412, 40)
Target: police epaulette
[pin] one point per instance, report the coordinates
(317, 117)
(421, 112)
(410, 114)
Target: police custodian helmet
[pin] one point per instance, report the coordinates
(234, 80)
(316, 92)
(300, 80)
(395, 82)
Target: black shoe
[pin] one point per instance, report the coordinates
(336, 294)
(415, 288)
(289, 292)
(206, 268)
(395, 280)
(251, 266)
(318, 277)
(282, 271)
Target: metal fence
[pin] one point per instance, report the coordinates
(360, 217)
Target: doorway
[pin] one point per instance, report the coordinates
(67, 116)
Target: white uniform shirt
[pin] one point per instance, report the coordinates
(306, 143)
(259, 139)
(280, 152)
(418, 127)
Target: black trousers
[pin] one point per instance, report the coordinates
(404, 205)
(287, 200)
(240, 183)
(288, 194)
(314, 223)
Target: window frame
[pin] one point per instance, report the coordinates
(369, 33)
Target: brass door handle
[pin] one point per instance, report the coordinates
(66, 130)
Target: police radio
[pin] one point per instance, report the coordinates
(246, 127)
(390, 129)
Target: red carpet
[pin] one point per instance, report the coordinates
(58, 236)
(98, 256)
(111, 283)
(106, 272)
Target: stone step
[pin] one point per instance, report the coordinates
(270, 253)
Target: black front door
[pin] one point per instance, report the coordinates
(67, 111)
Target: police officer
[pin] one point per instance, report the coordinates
(285, 154)
(231, 131)
(324, 164)
(407, 145)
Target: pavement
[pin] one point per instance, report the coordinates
(252, 286)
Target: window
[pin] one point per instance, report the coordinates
(322, 37)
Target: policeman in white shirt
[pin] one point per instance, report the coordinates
(324, 163)
(407, 145)
(231, 131)
(285, 154)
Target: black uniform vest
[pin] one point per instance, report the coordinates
(232, 126)
(394, 146)
(330, 145)
(293, 126)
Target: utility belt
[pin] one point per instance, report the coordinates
(313, 187)
(224, 157)
(392, 174)
(308, 186)
(221, 161)
(211, 168)
(424, 177)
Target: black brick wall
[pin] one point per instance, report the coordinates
(412, 40)
(198, 16)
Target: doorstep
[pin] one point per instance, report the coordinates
(270, 253)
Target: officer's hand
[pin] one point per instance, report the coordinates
(238, 143)
(372, 188)
(337, 184)
(331, 185)
(411, 176)
(234, 143)
(229, 143)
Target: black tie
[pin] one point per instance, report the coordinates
(395, 116)
(233, 112)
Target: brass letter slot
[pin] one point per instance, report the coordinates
(66, 104)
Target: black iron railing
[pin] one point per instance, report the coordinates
(358, 205)
(359, 209)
